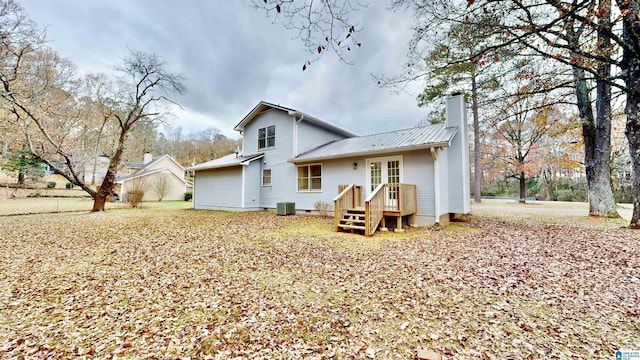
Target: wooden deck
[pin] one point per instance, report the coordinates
(397, 200)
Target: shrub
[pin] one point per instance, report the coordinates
(51, 184)
(68, 185)
(137, 189)
(322, 207)
(188, 196)
(134, 197)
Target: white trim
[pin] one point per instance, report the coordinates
(295, 136)
(262, 177)
(266, 137)
(244, 185)
(436, 184)
(384, 169)
(321, 178)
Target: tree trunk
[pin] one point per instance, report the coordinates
(477, 181)
(597, 152)
(106, 188)
(630, 66)
(522, 187)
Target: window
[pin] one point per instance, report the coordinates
(310, 178)
(266, 177)
(267, 137)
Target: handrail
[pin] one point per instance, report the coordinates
(341, 203)
(374, 209)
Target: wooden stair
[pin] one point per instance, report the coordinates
(353, 219)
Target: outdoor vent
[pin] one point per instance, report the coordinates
(285, 208)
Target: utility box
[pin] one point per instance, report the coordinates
(285, 208)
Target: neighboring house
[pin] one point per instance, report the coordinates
(289, 156)
(150, 172)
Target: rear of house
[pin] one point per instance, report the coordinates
(289, 156)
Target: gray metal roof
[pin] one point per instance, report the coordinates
(398, 140)
(227, 161)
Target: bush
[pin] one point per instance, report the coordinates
(68, 186)
(138, 189)
(188, 196)
(51, 184)
(134, 197)
(322, 207)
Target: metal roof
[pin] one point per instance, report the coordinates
(398, 140)
(227, 161)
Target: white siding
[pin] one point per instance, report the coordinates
(311, 136)
(167, 163)
(458, 156)
(252, 178)
(418, 170)
(445, 186)
(284, 134)
(218, 188)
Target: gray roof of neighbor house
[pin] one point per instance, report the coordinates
(227, 161)
(397, 140)
(264, 106)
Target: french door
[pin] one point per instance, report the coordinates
(385, 170)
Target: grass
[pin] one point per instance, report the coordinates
(166, 281)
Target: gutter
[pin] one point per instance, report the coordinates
(442, 144)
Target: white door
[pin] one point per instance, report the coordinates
(385, 170)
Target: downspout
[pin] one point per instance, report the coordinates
(244, 185)
(436, 183)
(295, 131)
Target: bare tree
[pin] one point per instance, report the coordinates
(320, 25)
(136, 191)
(161, 184)
(41, 90)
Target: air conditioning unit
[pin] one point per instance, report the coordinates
(285, 208)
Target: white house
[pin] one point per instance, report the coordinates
(418, 175)
(152, 171)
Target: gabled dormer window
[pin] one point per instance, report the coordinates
(267, 137)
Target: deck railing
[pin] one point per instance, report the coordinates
(400, 197)
(396, 198)
(350, 197)
(374, 209)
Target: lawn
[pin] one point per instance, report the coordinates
(169, 282)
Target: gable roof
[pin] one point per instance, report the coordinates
(143, 169)
(140, 174)
(399, 140)
(227, 161)
(265, 106)
(141, 166)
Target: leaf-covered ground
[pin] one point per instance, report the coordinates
(202, 284)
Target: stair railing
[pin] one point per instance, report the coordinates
(374, 209)
(349, 195)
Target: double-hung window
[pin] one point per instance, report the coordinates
(310, 177)
(267, 137)
(266, 177)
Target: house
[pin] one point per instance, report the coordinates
(417, 176)
(160, 174)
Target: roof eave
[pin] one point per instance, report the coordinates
(324, 124)
(221, 166)
(441, 144)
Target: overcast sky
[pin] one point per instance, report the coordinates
(233, 57)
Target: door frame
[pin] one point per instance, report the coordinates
(384, 175)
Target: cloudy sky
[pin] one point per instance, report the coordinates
(233, 57)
